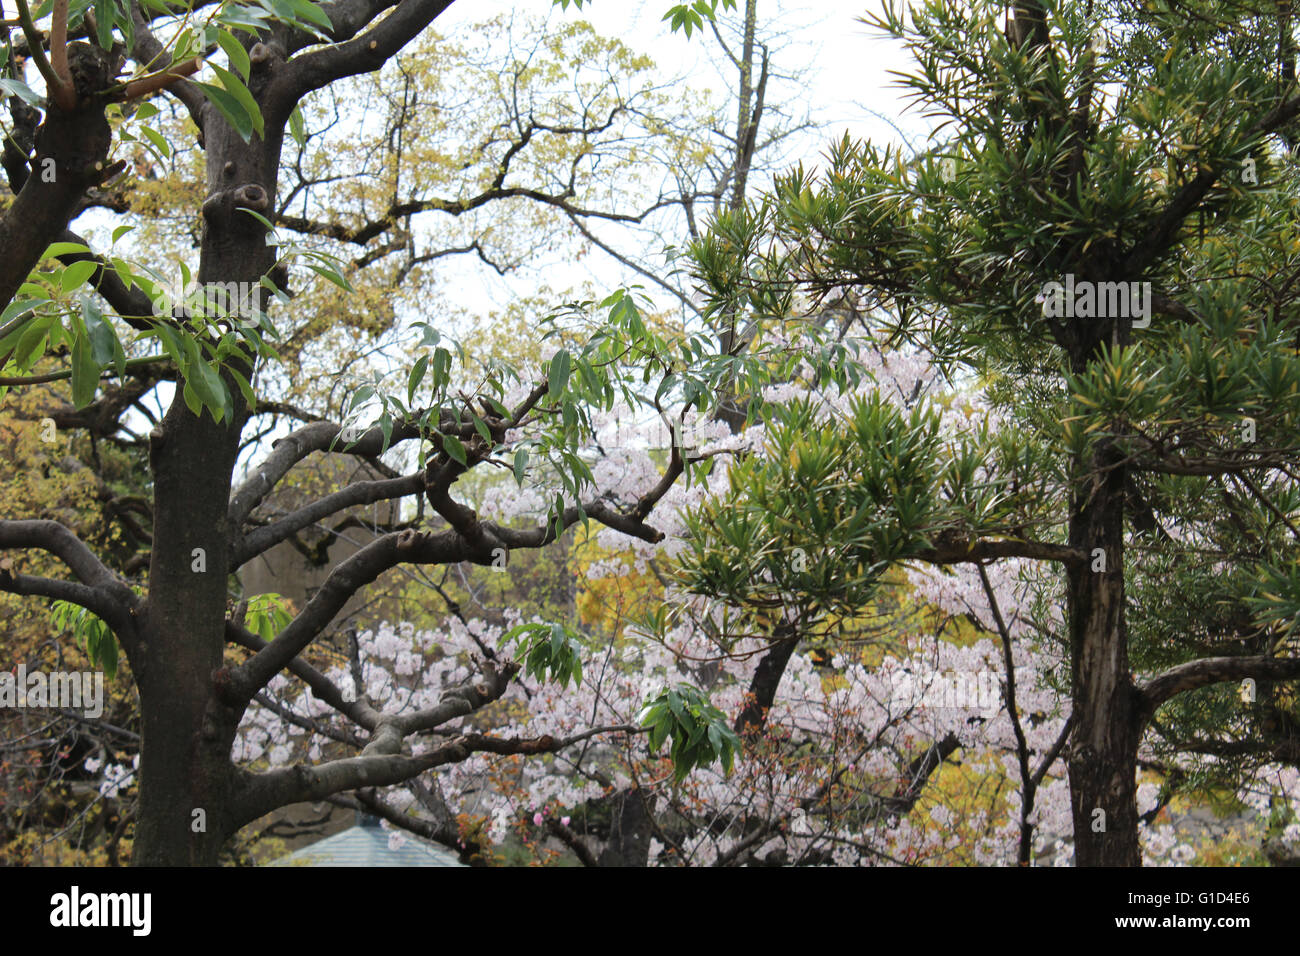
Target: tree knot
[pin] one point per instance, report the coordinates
(224, 203)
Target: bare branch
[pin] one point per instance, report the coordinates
(150, 52)
(964, 552)
(104, 593)
(1212, 670)
(359, 493)
(264, 792)
(293, 448)
(360, 54)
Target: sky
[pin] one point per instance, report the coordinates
(847, 65)
(843, 85)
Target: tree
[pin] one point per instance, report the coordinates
(1100, 240)
(44, 790)
(844, 761)
(175, 629)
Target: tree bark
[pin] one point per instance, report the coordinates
(186, 732)
(1103, 751)
(187, 782)
(629, 829)
(71, 156)
(766, 680)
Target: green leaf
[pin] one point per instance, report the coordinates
(230, 107)
(236, 88)
(441, 367)
(18, 307)
(105, 346)
(244, 387)
(558, 375)
(32, 342)
(455, 448)
(105, 14)
(57, 249)
(311, 13)
(415, 378)
(170, 342)
(297, 128)
(192, 400)
(333, 276)
(659, 733)
(108, 653)
(85, 372)
(75, 275)
(157, 141)
(235, 51)
(205, 383)
(22, 91)
(249, 19)
(360, 395)
(520, 465)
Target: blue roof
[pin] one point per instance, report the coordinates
(366, 844)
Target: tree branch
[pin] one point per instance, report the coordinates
(360, 54)
(149, 51)
(1188, 198)
(964, 552)
(359, 493)
(105, 594)
(1212, 670)
(262, 793)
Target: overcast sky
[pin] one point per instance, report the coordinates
(848, 66)
(844, 86)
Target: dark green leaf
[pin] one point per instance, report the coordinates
(455, 448)
(558, 375)
(416, 377)
(230, 107)
(85, 372)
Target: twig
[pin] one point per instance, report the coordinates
(65, 94)
(36, 49)
(157, 81)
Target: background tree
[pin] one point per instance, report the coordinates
(1149, 157)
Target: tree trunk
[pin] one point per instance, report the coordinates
(1103, 750)
(767, 678)
(185, 750)
(629, 829)
(71, 155)
(187, 782)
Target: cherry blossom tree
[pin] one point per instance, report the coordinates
(837, 774)
(936, 743)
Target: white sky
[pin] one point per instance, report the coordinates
(848, 64)
(845, 86)
(845, 83)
